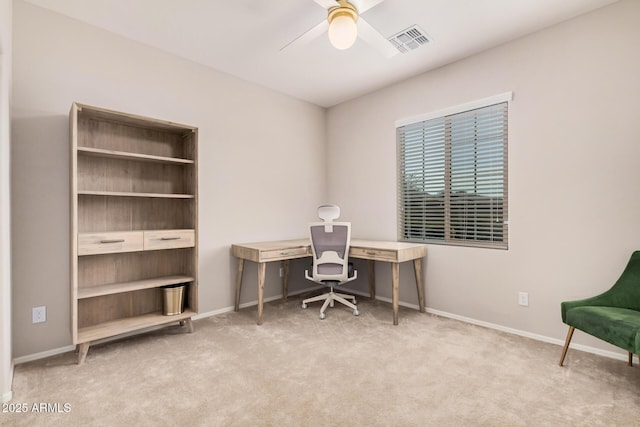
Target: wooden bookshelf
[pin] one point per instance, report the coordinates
(133, 222)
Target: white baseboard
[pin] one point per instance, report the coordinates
(43, 354)
(252, 303)
(68, 348)
(537, 337)
(543, 338)
(65, 349)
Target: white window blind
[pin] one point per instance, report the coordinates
(452, 181)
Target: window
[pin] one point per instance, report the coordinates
(452, 180)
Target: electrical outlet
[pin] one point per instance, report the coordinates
(39, 314)
(523, 299)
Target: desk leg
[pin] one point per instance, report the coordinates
(239, 282)
(371, 270)
(417, 268)
(285, 280)
(261, 273)
(395, 274)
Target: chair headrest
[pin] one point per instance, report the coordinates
(328, 213)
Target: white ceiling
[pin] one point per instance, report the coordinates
(244, 37)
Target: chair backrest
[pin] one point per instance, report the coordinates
(330, 245)
(625, 292)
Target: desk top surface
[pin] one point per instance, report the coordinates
(360, 248)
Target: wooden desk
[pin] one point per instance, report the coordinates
(286, 250)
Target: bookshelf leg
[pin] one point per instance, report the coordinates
(189, 325)
(83, 348)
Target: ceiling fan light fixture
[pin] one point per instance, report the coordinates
(343, 30)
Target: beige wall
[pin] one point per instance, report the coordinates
(5, 230)
(573, 170)
(265, 167)
(262, 158)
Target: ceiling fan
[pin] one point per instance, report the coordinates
(344, 25)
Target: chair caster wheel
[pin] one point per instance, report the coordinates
(355, 302)
(356, 312)
(321, 316)
(304, 305)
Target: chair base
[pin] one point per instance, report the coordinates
(329, 299)
(568, 340)
(566, 344)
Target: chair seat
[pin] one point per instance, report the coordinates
(617, 326)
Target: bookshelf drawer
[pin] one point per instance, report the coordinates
(169, 239)
(111, 242)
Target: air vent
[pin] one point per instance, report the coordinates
(409, 39)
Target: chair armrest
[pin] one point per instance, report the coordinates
(354, 277)
(603, 300)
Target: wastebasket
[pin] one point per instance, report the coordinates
(173, 296)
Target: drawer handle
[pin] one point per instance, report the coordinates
(112, 241)
(371, 253)
(169, 238)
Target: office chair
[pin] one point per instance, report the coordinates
(330, 246)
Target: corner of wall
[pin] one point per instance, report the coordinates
(8, 395)
(6, 366)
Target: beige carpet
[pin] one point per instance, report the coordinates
(297, 370)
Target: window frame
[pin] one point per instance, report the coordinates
(443, 114)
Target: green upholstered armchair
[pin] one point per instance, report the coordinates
(613, 316)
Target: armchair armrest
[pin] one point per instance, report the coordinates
(604, 299)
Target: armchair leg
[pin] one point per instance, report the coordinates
(566, 344)
(630, 359)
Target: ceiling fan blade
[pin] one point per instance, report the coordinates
(327, 3)
(306, 37)
(375, 39)
(364, 5)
